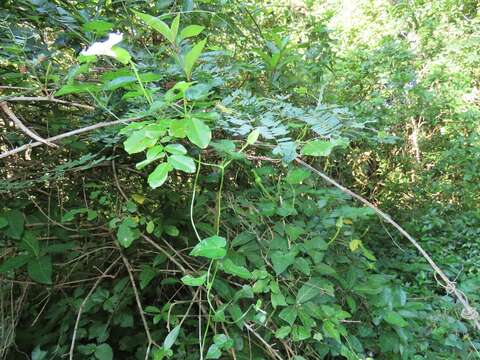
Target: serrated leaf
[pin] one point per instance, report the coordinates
(212, 248)
(182, 163)
(40, 269)
(159, 175)
(198, 132)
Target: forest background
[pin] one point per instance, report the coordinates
(160, 194)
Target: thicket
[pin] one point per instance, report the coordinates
(161, 179)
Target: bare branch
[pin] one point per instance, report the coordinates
(47, 99)
(18, 123)
(68, 134)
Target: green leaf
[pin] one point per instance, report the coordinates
(76, 89)
(182, 163)
(40, 269)
(31, 244)
(121, 55)
(157, 24)
(330, 330)
(146, 276)
(127, 234)
(253, 137)
(230, 268)
(394, 318)
(194, 281)
(150, 227)
(289, 314)
(103, 352)
(312, 289)
(283, 332)
(159, 175)
(13, 263)
(297, 176)
(190, 31)
(176, 149)
(98, 27)
(214, 352)
(172, 230)
(174, 27)
(138, 141)
(281, 261)
(171, 338)
(191, 57)
(3, 222)
(212, 248)
(16, 224)
(318, 148)
(198, 133)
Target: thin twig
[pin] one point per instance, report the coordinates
(18, 123)
(271, 350)
(68, 134)
(82, 305)
(139, 304)
(468, 312)
(47, 99)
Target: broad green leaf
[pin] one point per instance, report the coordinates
(214, 352)
(39, 354)
(395, 318)
(171, 338)
(16, 224)
(157, 24)
(297, 176)
(330, 330)
(31, 244)
(212, 248)
(190, 31)
(192, 56)
(176, 149)
(318, 148)
(253, 137)
(127, 234)
(289, 314)
(146, 276)
(198, 133)
(77, 88)
(138, 141)
(174, 27)
(194, 281)
(40, 269)
(150, 227)
(277, 300)
(313, 288)
(281, 261)
(103, 352)
(172, 230)
(3, 222)
(355, 244)
(159, 175)
(98, 27)
(230, 268)
(13, 263)
(182, 163)
(197, 92)
(300, 333)
(283, 332)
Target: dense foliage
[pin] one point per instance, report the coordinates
(181, 226)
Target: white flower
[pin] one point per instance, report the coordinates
(104, 47)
